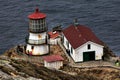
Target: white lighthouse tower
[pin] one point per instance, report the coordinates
(37, 40)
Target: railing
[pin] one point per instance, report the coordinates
(38, 30)
(31, 41)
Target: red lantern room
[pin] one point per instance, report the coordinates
(37, 22)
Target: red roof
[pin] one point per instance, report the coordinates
(78, 35)
(53, 58)
(37, 15)
(53, 34)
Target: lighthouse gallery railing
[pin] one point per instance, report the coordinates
(41, 41)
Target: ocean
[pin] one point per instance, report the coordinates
(102, 16)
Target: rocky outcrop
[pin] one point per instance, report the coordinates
(13, 67)
(19, 69)
(108, 53)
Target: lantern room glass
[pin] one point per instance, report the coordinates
(37, 25)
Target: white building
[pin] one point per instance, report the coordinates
(37, 40)
(55, 37)
(82, 44)
(53, 61)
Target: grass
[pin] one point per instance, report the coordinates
(47, 74)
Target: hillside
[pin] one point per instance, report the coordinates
(19, 69)
(16, 67)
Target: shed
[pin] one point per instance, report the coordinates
(55, 37)
(53, 61)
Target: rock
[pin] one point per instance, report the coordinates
(22, 69)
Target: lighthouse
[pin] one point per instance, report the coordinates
(37, 40)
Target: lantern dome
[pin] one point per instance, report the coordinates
(37, 15)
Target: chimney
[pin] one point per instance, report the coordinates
(76, 22)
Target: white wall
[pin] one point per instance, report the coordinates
(64, 43)
(55, 41)
(38, 50)
(94, 47)
(56, 64)
(34, 36)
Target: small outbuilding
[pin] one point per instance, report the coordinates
(82, 44)
(55, 37)
(53, 61)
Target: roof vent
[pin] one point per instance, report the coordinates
(76, 22)
(54, 32)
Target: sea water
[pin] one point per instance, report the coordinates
(102, 16)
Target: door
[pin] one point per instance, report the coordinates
(89, 56)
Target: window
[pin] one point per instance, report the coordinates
(42, 20)
(71, 50)
(67, 44)
(32, 47)
(39, 21)
(63, 39)
(89, 46)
